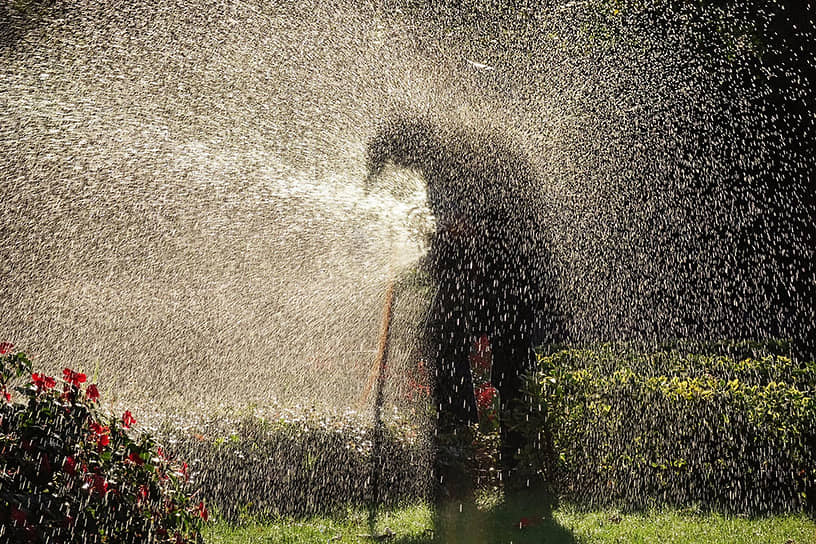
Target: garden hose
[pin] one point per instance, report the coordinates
(377, 372)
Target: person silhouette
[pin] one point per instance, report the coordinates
(488, 258)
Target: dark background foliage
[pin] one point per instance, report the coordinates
(736, 199)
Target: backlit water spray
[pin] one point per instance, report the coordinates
(182, 204)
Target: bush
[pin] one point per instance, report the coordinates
(279, 461)
(71, 475)
(671, 428)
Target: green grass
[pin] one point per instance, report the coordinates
(411, 525)
(672, 527)
(467, 524)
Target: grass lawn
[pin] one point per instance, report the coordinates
(502, 524)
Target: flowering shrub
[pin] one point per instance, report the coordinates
(485, 395)
(71, 475)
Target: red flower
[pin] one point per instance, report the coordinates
(417, 389)
(202, 511)
(74, 378)
(69, 465)
(43, 382)
(183, 471)
(135, 458)
(485, 394)
(523, 523)
(5, 347)
(98, 429)
(97, 484)
(142, 493)
(92, 393)
(100, 435)
(128, 419)
(6, 395)
(67, 394)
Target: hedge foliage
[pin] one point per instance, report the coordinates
(299, 461)
(613, 426)
(730, 427)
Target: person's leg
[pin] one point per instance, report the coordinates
(512, 356)
(447, 351)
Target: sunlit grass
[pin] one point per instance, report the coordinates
(673, 527)
(519, 523)
(409, 525)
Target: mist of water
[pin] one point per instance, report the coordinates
(182, 206)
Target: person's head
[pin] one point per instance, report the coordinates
(403, 142)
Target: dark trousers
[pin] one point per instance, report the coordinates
(460, 314)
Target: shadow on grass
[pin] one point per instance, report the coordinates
(523, 518)
(520, 518)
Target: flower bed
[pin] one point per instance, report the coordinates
(72, 474)
(605, 426)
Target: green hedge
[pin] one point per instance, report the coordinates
(298, 461)
(612, 426)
